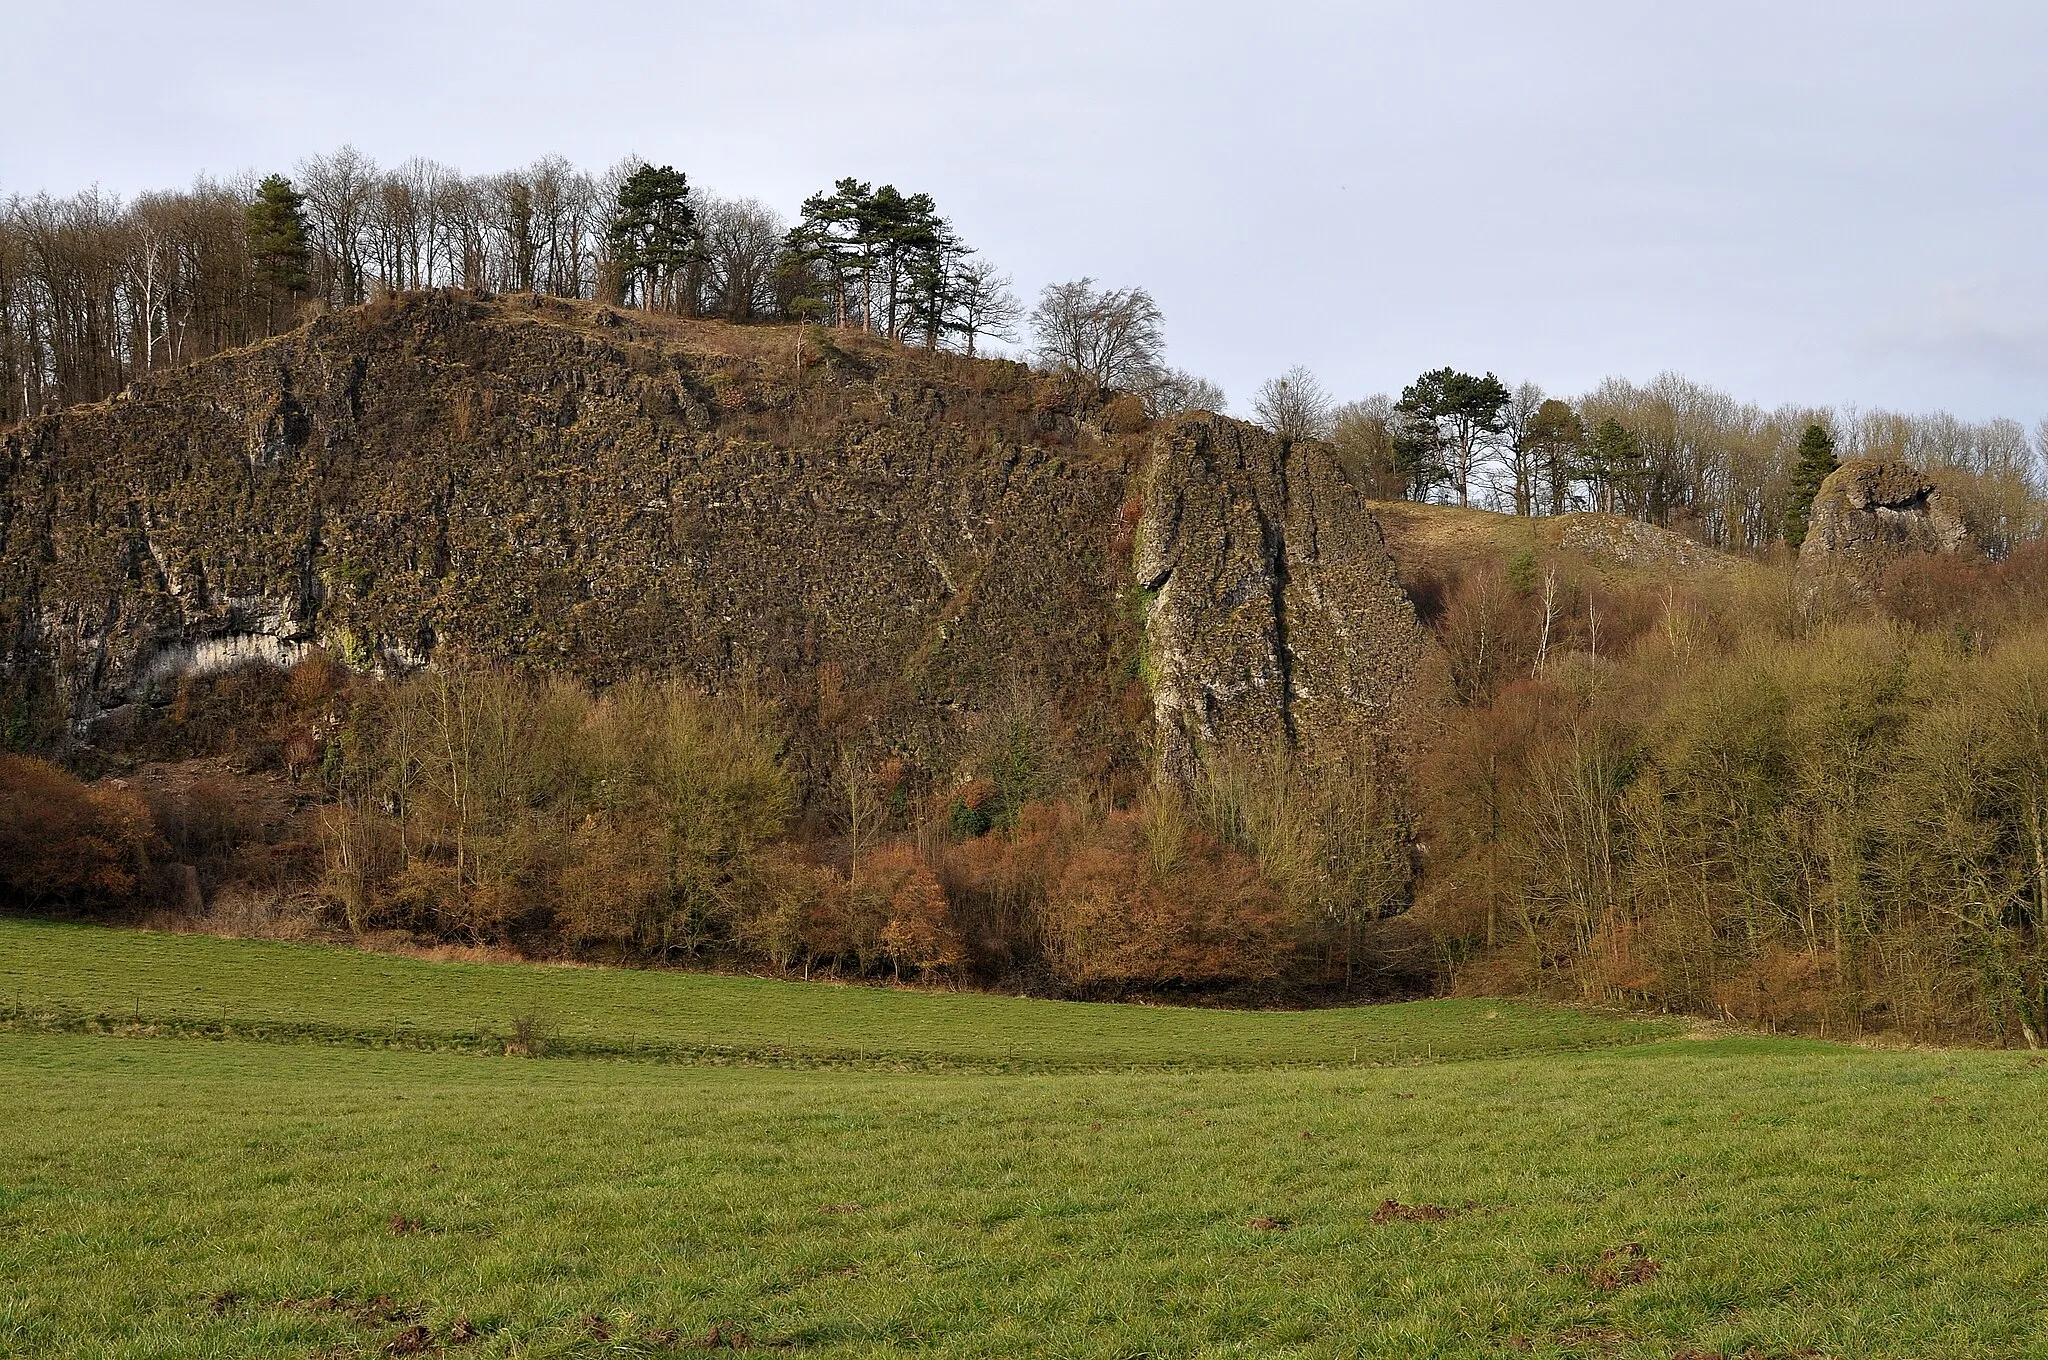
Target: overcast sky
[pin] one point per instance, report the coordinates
(1839, 202)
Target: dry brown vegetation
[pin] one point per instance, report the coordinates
(69, 848)
(1650, 780)
(1735, 808)
(1693, 796)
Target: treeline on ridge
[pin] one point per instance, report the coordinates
(1671, 452)
(95, 292)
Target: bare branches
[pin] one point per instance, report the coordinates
(1295, 405)
(1111, 338)
(1175, 392)
(340, 190)
(742, 238)
(983, 304)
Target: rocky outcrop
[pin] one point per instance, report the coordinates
(1275, 617)
(897, 545)
(1868, 514)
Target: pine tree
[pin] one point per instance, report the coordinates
(1611, 459)
(932, 280)
(1450, 418)
(1555, 435)
(277, 238)
(1815, 460)
(833, 239)
(653, 234)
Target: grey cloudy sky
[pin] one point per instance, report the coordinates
(1826, 202)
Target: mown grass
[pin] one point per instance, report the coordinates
(57, 976)
(188, 1199)
(174, 1198)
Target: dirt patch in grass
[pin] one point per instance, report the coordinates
(1393, 1211)
(414, 1340)
(1622, 1266)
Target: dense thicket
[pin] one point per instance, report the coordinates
(652, 822)
(66, 847)
(1734, 808)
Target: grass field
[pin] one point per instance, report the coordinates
(195, 983)
(1666, 1197)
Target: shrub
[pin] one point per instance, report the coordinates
(480, 804)
(920, 930)
(1120, 913)
(68, 847)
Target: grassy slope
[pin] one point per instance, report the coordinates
(1453, 541)
(1799, 1198)
(337, 994)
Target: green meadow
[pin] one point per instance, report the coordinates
(222, 1149)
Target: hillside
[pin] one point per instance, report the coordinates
(1450, 541)
(786, 649)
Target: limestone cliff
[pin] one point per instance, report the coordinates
(1276, 615)
(552, 484)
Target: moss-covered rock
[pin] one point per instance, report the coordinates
(1869, 513)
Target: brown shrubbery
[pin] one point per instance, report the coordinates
(652, 822)
(1116, 900)
(1836, 824)
(1703, 799)
(69, 848)
(480, 805)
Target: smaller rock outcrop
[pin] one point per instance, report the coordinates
(1870, 513)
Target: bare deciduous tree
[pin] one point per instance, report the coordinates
(983, 303)
(742, 237)
(1362, 432)
(1175, 392)
(1521, 464)
(1112, 338)
(341, 192)
(1294, 405)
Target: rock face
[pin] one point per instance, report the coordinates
(1867, 515)
(896, 545)
(1275, 615)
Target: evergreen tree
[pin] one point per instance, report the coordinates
(276, 224)
(902, 229)
(1611, 459)
(833, 241)
(653, 235)
(1815, 460)
(877, 250)
(1448, 419)
(1417, 448)
(932, 283)
(1554, 436)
